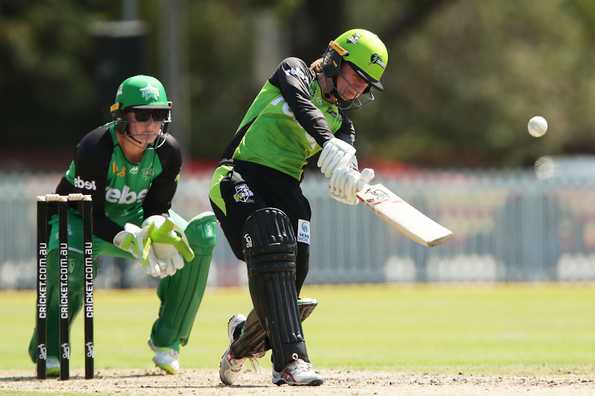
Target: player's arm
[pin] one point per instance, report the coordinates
(90, 167)
(89, 171)
(161, 230)
(346, 181)
(347, 131)
(293, 79)
(162, 190)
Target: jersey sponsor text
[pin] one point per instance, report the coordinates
(124, 197)
(83, 184)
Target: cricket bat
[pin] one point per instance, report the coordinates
(402, 216)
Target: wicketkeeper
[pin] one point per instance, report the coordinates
(131, 168)
(256, 195)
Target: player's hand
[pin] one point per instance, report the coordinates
(160, 267)
(335, 154)
(346, 182)
(167, 248)
(166, 235)
(132, 240)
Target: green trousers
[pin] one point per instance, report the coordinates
(180, 295)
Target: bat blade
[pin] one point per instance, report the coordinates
(402, 216)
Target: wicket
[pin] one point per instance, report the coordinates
(62, 203)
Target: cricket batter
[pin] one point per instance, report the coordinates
(131, 167)
(256, 195)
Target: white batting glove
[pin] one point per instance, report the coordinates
(335, 154)
(346, 182)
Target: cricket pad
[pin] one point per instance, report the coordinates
(270, 250)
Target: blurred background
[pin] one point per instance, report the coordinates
(448, 134)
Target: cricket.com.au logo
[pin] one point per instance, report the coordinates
(65, 348)
(42, 352)
(89, 350)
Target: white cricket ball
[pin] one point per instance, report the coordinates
(537, 126)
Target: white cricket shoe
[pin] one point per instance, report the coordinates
(52, 366)
(233, 323)
(167, 359)
(230, 367)
(298, 372)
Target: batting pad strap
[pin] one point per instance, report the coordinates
(253, 341)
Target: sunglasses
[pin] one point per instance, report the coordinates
(143, 115)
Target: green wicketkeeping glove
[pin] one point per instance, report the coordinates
(132, 239)
(162, 230)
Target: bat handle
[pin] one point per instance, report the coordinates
(362, 185)
(365, 177)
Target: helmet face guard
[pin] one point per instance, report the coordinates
(356, 103)
(141, 93)
(368, 56)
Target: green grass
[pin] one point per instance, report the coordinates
(518, 329)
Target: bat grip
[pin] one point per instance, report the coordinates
(361, 185)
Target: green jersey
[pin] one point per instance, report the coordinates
(288, 122)
(122, 191)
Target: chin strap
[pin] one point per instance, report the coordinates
(333, 96)
(329, 89)
(158, 142)
(134, 140)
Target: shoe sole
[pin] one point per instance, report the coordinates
(168, 369)
(227, 383)
(312, 383)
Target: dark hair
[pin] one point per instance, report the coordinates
(316, 66)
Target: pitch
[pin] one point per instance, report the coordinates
(385, 339)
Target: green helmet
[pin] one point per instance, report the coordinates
(362, 49)
(140, 92)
